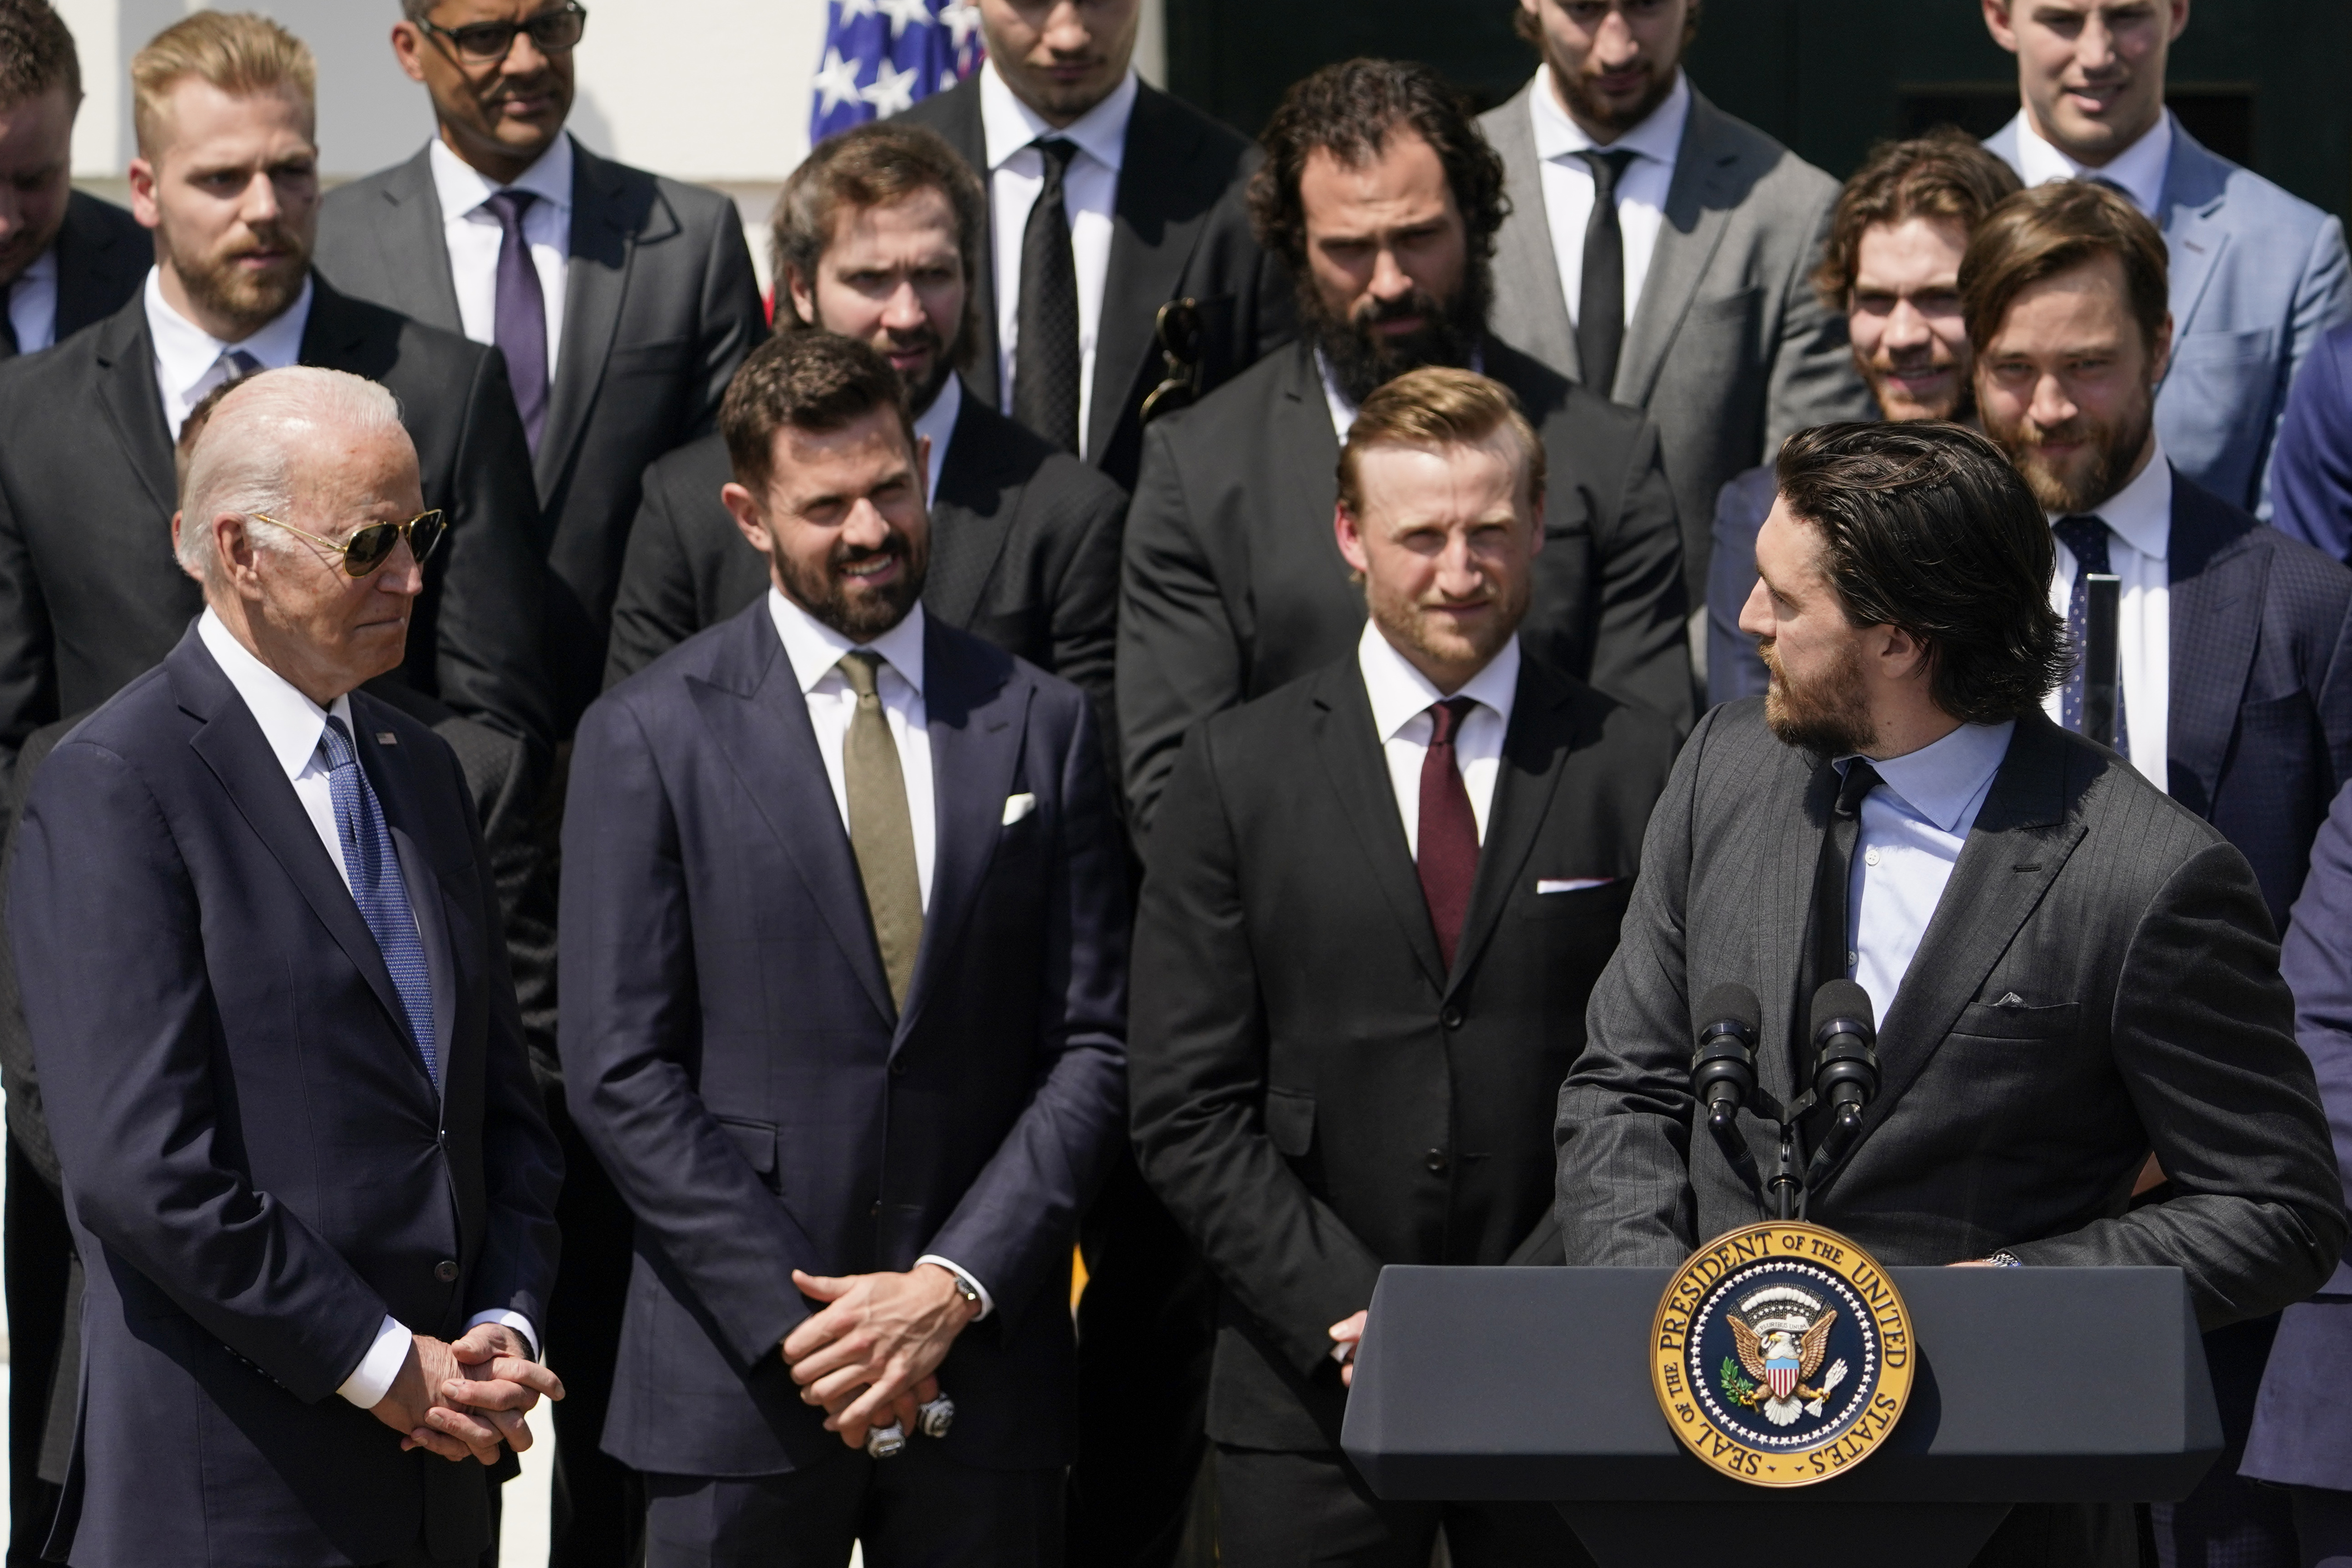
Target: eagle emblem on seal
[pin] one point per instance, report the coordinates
(1782, 1334)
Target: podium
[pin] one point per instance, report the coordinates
(1533, 1385)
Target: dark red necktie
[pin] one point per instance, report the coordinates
(1449, 833)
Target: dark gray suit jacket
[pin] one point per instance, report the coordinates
(2099, 979)
(660, 306)
(1181, 229)
(103, 254)
(1024, 554)
(1729, 350)
(1233, 584)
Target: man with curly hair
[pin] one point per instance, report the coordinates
(1383, 200)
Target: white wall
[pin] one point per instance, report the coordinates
(711, 91)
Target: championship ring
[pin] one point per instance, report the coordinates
(1781, 1353)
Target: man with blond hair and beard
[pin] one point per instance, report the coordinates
(2235, 669)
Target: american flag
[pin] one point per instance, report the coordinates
(882, 54)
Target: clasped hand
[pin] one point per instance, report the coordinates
(463, 1399)
(868, 1356)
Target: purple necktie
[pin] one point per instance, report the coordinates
(1448, 860)
(521, 328)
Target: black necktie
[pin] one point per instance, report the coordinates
(1832, 880)
(1046, 354)
(2086, 537)
(1600, 312)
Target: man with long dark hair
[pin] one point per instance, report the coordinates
(1381, 197)
(2067, 967)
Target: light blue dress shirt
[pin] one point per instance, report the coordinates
(1913, 825)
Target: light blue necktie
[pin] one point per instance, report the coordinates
(378, 888)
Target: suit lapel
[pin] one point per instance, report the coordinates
(976, 722)
(1303, 486)
(232, 746)
(1535, 753)
(1785, 924)
(970, 516)
(2196, 187)
(754, 709)
(1698, 208)
(411, 227)
(2016, 850)
(607, 226)
(1349, 751)
(126, 358)
(1149, 247)
(1527, 270)
(85, 267)
(959, 121)
(2216, 614)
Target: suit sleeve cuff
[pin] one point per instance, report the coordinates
(371, 1379)
(514, 1320)
(987, 1302)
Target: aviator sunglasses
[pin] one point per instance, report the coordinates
(371, 546)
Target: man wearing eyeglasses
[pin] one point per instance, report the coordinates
(622, 301)
(257, 935)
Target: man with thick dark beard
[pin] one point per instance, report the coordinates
(2231, 649)
(1383, 200)
(2067, 967)
(844, 985)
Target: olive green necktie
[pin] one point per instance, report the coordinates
(881, 830)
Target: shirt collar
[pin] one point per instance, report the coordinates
(1659, 136)
(814, 648)
(2138, 169)
(290, 723)
(43, 269)
(1401, 693)
(1008, 124)
(2141, 512)
(1343, 412)
(1944, 783)
(938, 423)
(462, 188)
(186, 352)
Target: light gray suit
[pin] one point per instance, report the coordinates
(1729, 351)
(660, 306)
(2257, 276)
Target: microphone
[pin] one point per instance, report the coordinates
(1846, 1066)
(1723, 1069)
(1723, 1072)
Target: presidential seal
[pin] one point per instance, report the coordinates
(1781, 1355)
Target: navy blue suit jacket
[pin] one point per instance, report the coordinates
(257, 1165)
(732, 1053)
(2311, 466)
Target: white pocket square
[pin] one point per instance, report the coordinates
(1017, 807)
(1570, 884)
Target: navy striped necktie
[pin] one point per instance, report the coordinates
(379, 889)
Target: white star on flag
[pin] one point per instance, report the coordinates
(904, 13)
(838, 80)
(854, 8)
(962, 20)
(892, 91)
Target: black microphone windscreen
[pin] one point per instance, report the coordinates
(1842, 999)
(1731, 1002)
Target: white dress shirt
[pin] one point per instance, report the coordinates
(1344, 410)
(1401, 697)
(472, 233)
(294, 728)
(937, 424)
(32, 303)
(2139, 539)
(1913, 827)
(1017, 172)
(190, 361)
(2138, 170)
(1641, 191)
(816, 652)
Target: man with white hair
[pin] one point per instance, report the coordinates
(258, 940)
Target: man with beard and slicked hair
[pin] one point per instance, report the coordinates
(845, 943)
(1892, 268)
(1381, 197)
(2234, 662)
(1685, 293)
(2067, 968)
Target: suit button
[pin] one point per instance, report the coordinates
(875, 1212)
(445, 1271)
(1435, 1161)
(1451, 1016)
(898, 1068)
